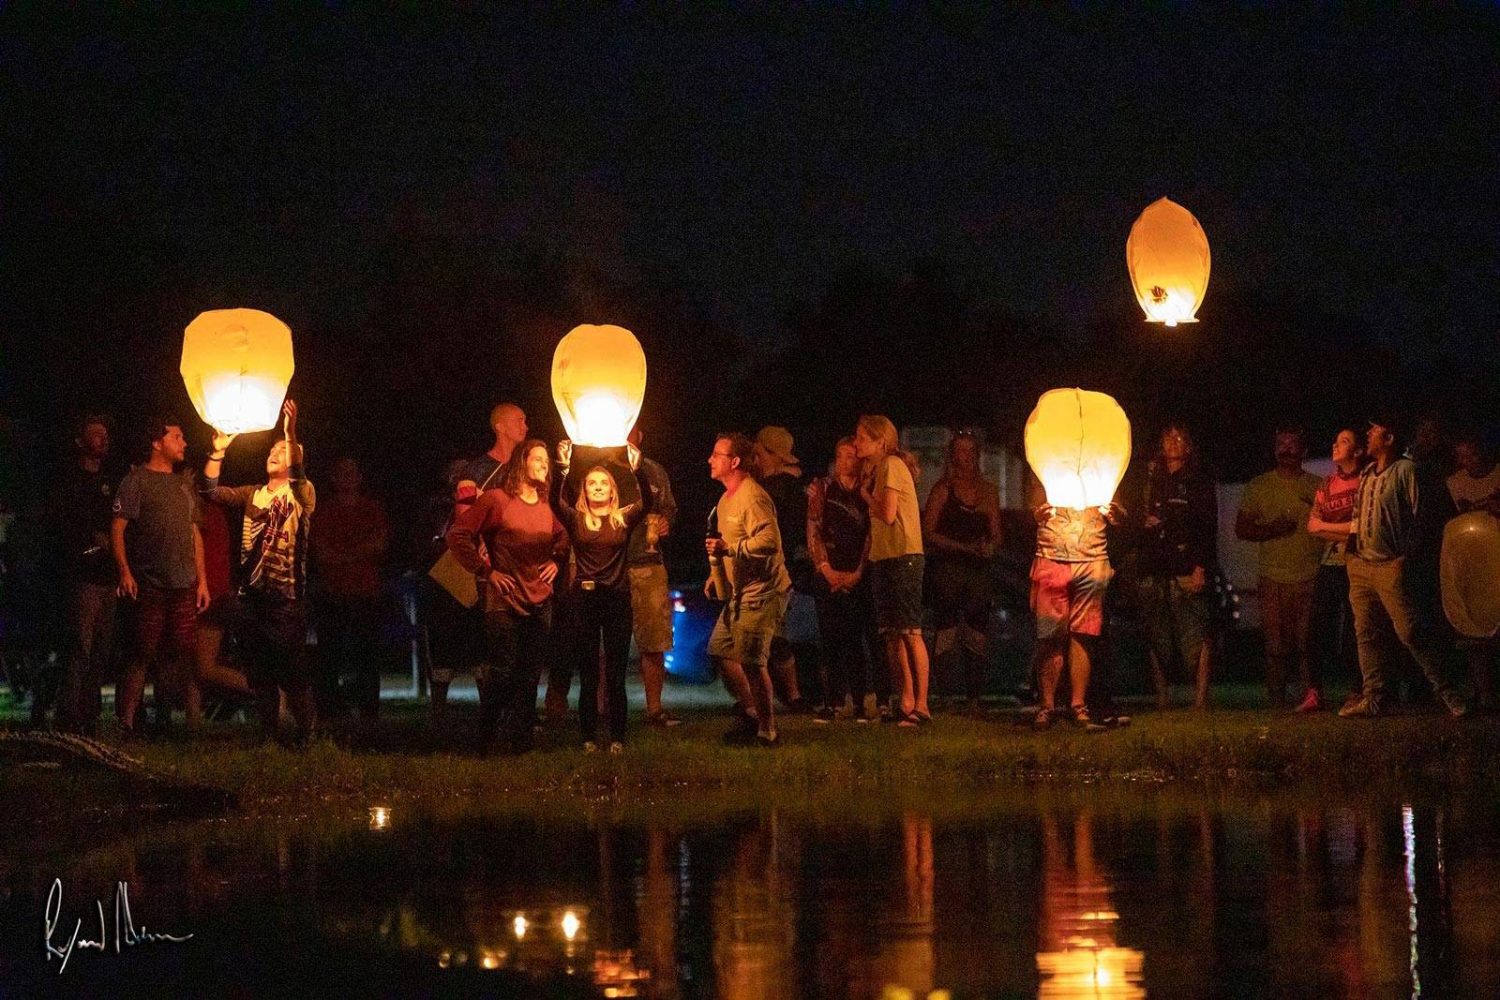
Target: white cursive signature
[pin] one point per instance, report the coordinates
(125, 931)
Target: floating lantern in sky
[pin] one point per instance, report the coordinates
(236, 364)
(1167, 254)
(1078, 444)
(598, 384)
(1470, 572)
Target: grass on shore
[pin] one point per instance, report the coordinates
(401, 759)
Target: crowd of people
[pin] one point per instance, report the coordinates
(546, 562)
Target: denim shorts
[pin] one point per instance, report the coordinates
(897, 586)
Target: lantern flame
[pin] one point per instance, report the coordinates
(1078, 444)
(236, 364)
(598, 384)
(1168, 257)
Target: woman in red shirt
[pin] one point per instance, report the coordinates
(523, 545)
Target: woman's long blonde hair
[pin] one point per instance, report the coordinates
(883, 430)
(616, 515)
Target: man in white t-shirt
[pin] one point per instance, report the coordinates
(1476, 484)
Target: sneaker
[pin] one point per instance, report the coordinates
(1042, 720)
(662, 719)
(1454, 703)
(1366, 706)
(1311, 702)
(770, 739)
(616, 748)
(589, 746)
(824, 715)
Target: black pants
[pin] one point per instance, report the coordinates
(852, 656)
(349, 643)
(273, 636)
(1332, 651)
(518, 647)
(595, 615)
(89, 646)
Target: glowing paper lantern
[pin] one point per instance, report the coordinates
(1470, 571)
(1167, 254)
(1078, 444)
(598, 383)
(236, 364)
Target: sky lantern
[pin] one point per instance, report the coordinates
(1470, 573)
(1167, 254)
(1078, 444)
(598, 383)
(236, 364)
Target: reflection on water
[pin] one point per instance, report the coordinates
(1080, 955)
(1171, 901)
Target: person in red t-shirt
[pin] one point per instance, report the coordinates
(513, 542)
(1331, 638)
(348, 546)
(208, 672)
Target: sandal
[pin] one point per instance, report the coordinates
(909, 721)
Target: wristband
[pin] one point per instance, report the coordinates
(216, 458)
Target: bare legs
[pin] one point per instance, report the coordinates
(907, 653)
(1079, 669)
(1201, 679)
(751, 687)
(209, 672)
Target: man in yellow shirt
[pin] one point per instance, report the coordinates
(1273, 513)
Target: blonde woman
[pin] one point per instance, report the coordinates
(896, 561)
(598, 598)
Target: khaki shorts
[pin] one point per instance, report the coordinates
(744, 632)
(651, 608)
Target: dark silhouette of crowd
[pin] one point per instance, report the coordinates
(536, 563)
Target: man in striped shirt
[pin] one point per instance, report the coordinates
(273, 572)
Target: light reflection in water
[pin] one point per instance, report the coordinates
(1056, 902)
(754, 918)
(1409, 843)
(1080, 955)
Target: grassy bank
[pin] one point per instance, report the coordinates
(402, 760)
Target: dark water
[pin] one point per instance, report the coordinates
(1169, 898)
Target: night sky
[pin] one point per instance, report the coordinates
(326, 164)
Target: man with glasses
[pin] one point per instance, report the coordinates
(748, 541)
(1178, 552)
